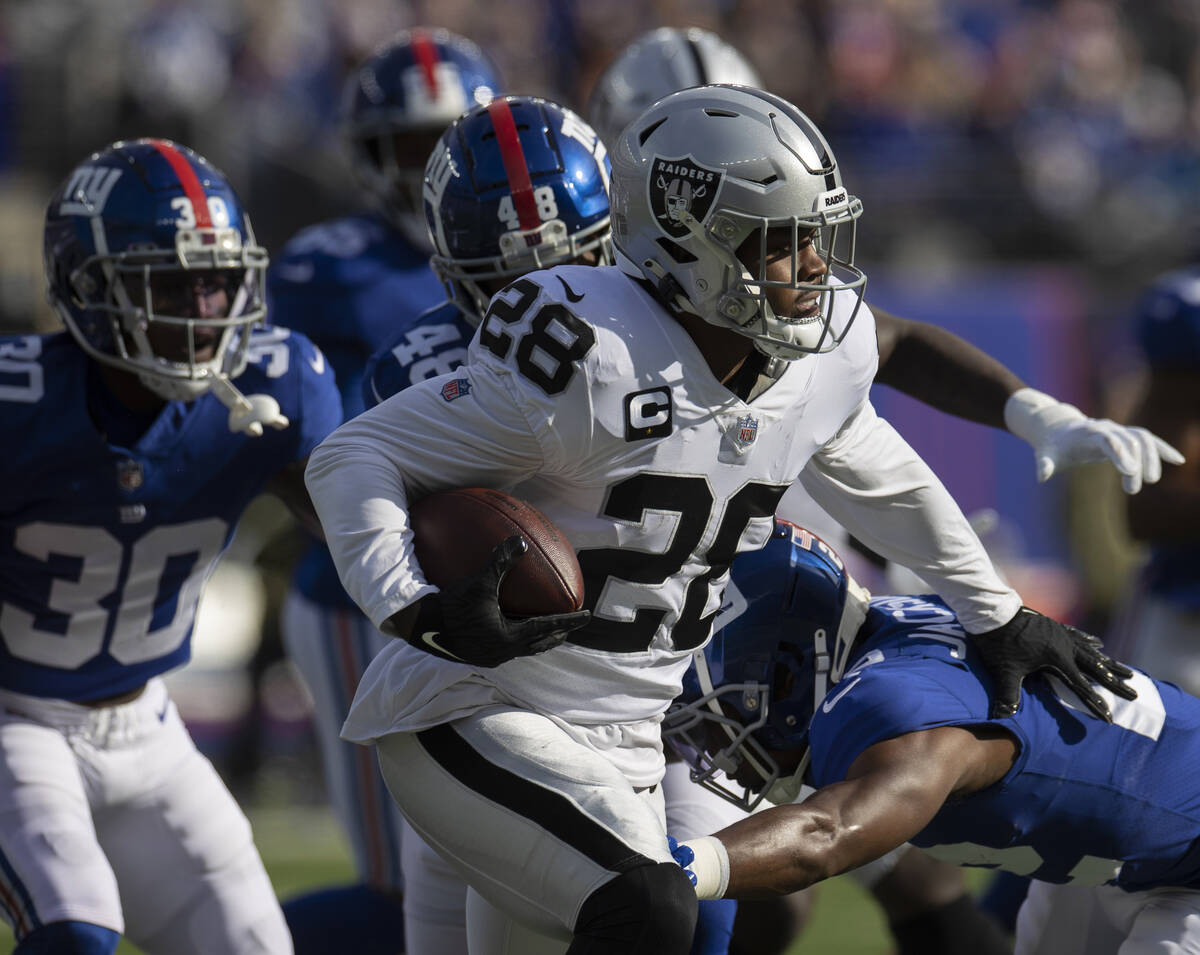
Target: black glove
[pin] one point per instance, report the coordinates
(464, 622)
(1031, 641)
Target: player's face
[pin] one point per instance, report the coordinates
(777, 267)
(195, 293)
(409, 152)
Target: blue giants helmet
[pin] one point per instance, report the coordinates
(1168, 321)
(136, 237)
(517, 185)
(396, 105)
(783, 638)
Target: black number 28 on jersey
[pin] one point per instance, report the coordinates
(556, 338)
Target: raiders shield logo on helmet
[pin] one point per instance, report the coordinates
(682, 185)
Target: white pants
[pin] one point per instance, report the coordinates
(331, 649)
(111, 816)
(1105, 920)
(532, 820)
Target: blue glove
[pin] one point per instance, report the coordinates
(683, 855)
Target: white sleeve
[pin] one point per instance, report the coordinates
(417, 441)
(877, 487)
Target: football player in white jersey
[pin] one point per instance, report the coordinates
(924, 899)
(656, 411)
(134, 441)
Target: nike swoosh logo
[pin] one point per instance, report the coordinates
(830, 703)
(572, 295)
(429, 637)
(318, 362)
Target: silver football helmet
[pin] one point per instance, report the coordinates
(656, 64)
(706, 171)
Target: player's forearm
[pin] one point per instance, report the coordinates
(788, 848)
(360, 498)
(937, 367)
(879, 489)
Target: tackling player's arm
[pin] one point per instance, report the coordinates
(937, 367)
(891, 792)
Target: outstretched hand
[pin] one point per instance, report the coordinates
(1137, 454)
(1031, 641)
(1063, 436)
(463, 622)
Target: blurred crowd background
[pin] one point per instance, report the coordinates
(1025, 166)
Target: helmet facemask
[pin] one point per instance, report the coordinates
(471, 283)
(748, 248)
(145, 296)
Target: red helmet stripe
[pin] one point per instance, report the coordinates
(188, 179)
(426, 53)
(514, 163)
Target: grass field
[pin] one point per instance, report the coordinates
(304, 848)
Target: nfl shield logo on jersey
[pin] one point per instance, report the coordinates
(747, 430)
(455, 389)
(682, 185)
(738, 439)
(129, 475)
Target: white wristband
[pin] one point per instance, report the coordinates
(710, 867)
(1028, 413)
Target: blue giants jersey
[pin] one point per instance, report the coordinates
(103, 548)
(432, 344)
(348, 285)
(1085, 802)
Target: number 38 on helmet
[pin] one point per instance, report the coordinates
(152, 265)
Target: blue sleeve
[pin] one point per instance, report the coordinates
(381, 378)
(320, 403)
(433, 343)
(885, 701)
(714, 927)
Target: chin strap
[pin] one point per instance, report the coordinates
(785, 791)
(248, 413)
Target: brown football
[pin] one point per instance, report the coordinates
(455, 531)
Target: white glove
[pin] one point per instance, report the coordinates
(1063, 436)
(248, 413)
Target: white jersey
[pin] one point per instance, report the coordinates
(582, 395)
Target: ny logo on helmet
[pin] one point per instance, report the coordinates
(88, 190)
(678, 186)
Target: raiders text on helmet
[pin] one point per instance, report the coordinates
(706, 169)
